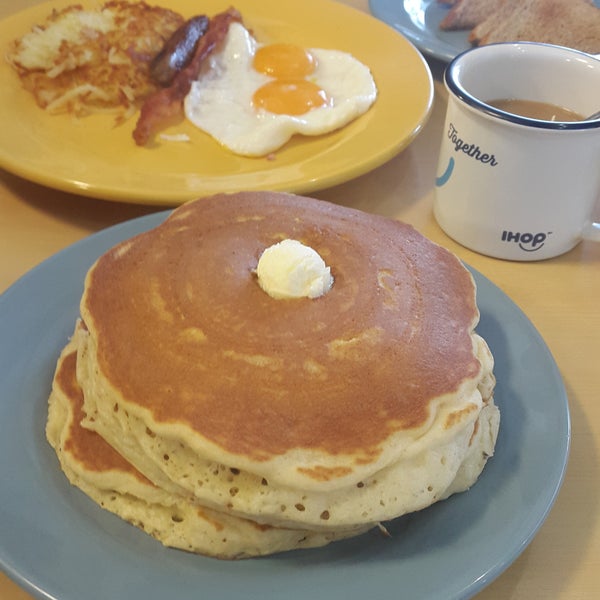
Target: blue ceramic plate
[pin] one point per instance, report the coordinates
(419, 21)
(57, 544)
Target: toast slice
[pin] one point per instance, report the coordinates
(572, 23)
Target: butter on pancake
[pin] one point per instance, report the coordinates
(99, 471)
(326, 414)
(88, 60)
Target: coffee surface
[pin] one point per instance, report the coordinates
(532, 109)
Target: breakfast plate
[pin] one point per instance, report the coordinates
(419, 21)
(92, 157)
(57, 543)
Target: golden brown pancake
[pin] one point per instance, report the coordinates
(84, 445)
(343, 410)
(184, 330)
(97, 469)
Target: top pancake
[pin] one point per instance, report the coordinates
(338, 386)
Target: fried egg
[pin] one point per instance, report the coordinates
(255, 97)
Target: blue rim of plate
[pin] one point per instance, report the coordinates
(56, 543)
(418, 20)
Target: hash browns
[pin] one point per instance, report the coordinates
(90, 60)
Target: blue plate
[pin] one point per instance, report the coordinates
(419, 20)
(56, 543)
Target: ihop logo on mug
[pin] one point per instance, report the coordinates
(529, 242)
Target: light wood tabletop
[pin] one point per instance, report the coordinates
(560, 296)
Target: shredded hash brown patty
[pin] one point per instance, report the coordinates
(84, 61)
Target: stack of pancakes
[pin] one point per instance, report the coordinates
(223, 421)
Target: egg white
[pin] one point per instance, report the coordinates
(220, 102)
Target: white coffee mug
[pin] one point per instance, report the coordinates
(509, 186)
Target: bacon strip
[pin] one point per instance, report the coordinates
(164, 106)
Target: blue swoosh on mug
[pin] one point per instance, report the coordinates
(443, 178)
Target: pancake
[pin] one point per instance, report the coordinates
(98, 470)
(371, 401)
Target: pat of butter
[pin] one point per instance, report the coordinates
(289, 269)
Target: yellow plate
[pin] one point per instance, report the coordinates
(92, 157)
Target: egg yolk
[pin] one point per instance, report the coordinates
(284, 61)
(289, 97)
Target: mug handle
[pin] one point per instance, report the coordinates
(592, 231)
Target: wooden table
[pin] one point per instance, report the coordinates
(561, 297)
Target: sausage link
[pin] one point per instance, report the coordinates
(178, 50)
